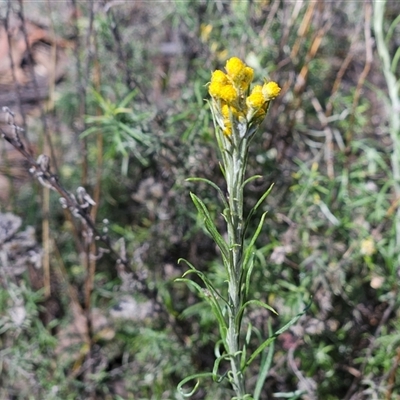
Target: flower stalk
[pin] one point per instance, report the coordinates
(389, 67)
(238, 111)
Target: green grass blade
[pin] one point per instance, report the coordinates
(264, 368)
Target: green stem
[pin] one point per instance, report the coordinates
(235, 177)
(393, 89)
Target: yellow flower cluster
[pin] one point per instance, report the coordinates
(230, 91)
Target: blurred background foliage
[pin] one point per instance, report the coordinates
(114, 92)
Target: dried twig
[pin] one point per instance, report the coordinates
(361, 80)
(79, 205)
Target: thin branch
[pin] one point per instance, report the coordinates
(79, 205)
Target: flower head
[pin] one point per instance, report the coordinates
(221, 87)
(234, 108)
(235, 68)
(219, 77)
(270, 90)
(256, 98)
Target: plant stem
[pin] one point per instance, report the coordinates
(235, 178)
(237, 113)
(394, 96)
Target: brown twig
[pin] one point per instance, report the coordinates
(123, 61)
(339, 76)
(301, 64)
(328, 137)
(312, 51)
(303, 29)
(12, 65)
(368, 62)
(97, 188)
(79, 206)
(35, 84)
(392, 375)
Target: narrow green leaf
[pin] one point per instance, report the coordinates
(120, 145)
(252, 178)
(248, 334)
(219, 378)
(264, 368)
(212, 301)
(134, 133)
(263, 197)
(246, 343)
(395, 62)
(250, 302)
(101, 101)
(249, 269)
(254, 209)
(214, 292)
(128, 98)
(191, 378)
(249, 247)
(101, 119)
(210, 226)
(89, 131)
(274, 336)
(203, 277)
(391, 29)
(122, 110)
(192, 283)
(222, 170)
(216, 187)
(211, 298)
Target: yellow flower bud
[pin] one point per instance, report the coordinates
(221, 88)
(233, 109)
(270, 90)
(214, 89)
(255, 100)
(228, 93)
(219, 77)
(235, 68)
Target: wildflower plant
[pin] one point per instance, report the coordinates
(238, 110)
